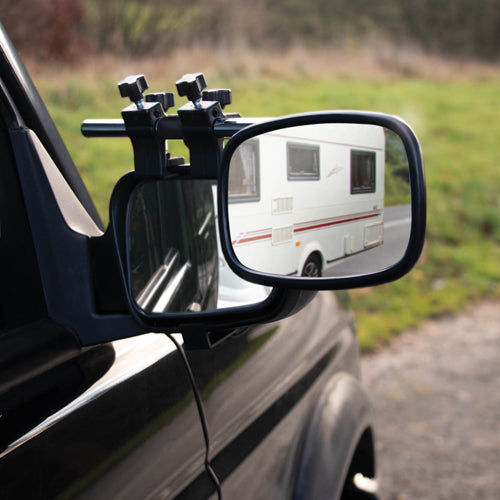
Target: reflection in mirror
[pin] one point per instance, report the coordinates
(320, 200)
(174, 257)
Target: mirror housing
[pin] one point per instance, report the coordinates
(241, 235)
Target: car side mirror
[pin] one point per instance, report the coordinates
(328, 200)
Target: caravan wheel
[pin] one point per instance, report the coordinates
(312, 267)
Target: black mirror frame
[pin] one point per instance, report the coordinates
(217, 324)
(417, 189)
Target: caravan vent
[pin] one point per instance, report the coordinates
(282, 234)
(374, 234)
(282, 205)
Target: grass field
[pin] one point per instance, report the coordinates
(455, 116)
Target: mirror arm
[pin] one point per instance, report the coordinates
(203, 128)
(96, 127)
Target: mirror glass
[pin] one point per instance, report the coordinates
(175, 264)
(321, 200)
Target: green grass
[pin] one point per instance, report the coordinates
(458, 126)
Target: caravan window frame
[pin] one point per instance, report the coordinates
(255, 181)
(291, 150)
(371, 187)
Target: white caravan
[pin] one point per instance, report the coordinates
(303, 197)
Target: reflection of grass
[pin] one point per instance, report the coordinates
(397, 187)
(457, 123)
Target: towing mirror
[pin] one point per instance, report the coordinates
(323, 201)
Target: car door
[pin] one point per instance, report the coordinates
(259, 389)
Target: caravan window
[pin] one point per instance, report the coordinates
(244, 173)
(362, 172)
(302, 162)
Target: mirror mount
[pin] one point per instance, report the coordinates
(148, 128)
(201, 123)
(204, 147)
(198, 118)
(145, 125)
(149, 148)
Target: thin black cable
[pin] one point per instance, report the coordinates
(201, 412)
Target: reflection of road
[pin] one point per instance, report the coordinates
(397, 222)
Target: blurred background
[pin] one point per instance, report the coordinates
(435, 63)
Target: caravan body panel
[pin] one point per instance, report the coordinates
(303, 191)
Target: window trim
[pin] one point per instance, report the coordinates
(246, 198)
(373, 187)
(292, 176)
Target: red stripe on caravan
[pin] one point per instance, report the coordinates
(252, 238)
(340, 217)
(312, 225)
(333, 223)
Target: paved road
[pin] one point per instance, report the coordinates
(436, 393)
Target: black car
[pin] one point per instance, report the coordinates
(258, 397)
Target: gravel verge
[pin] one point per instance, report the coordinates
(436, 397)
